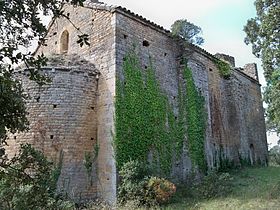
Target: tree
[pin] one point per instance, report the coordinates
(20, 24)
(188, 31)
(274, 155)
(20, 189)
(263, 32)
(28, 180)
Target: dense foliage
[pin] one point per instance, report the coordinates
(12, 111)
(272, 99)
(159, 189)
(28, 181)
(263, 33)
(131, 185)
(138, 189)
(223, 68)
(188, 31)
(147, 129)
(196, 121)
(274, 155)
(142, 112)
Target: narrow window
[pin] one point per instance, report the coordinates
(146, 43)
(64, 42)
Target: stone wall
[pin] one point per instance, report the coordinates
(75, 112)
(98, 22)
(245, 119)
(235, 130)
(251, 70)
(153, 47)
(63, 122)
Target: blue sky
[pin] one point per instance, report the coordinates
(222, 22)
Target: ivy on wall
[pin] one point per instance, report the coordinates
(224, 68)
(196, 121)
(146, 127)
(142, 113)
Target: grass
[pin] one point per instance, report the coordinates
(251, 188)
(247, 189)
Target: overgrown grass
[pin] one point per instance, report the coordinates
(251, 188)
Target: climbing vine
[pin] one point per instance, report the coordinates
(145, 122)
(142, 113)
(224, 68)
(196, 121)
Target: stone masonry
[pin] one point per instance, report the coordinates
(74, 114)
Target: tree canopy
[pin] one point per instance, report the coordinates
(263, 32)
(188, 31)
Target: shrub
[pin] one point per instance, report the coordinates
(160, 189)
(97, 204)
(137, 189)
(28, 181)
(274, 155)
(224, 68)
(131, 184)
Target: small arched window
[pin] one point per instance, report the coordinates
(64, 42)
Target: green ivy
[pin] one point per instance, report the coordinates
(142, 112)
(224, 68)
(196, 121)
(145, 121)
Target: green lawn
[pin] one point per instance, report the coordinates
(252, 188)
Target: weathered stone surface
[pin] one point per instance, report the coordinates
(76, 111)
(63, 124)
(251, 70)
